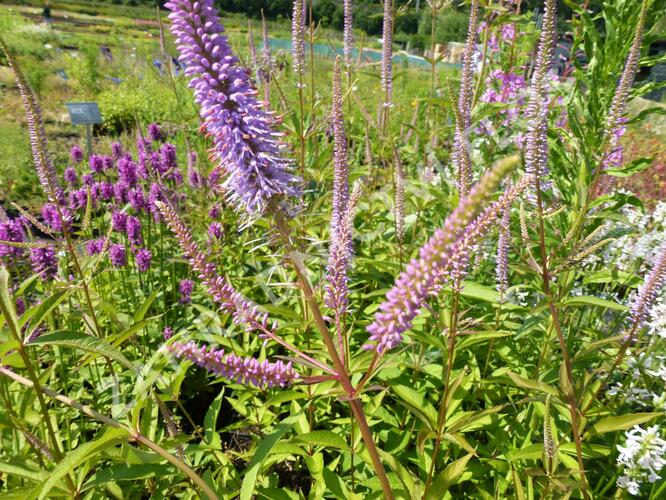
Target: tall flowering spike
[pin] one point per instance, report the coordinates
(462, 249)
(438, 257)
(462, 161)
(615, 120)
(347, 35)
(502, 264)
(43, 165)
(649, 290)
(245, 145)
(242, 310)
(536, 143)
(340, 166)
(387, 53)
(339, 260)
(298, 38)
(399, 172)
(246, 371)
(251, 46)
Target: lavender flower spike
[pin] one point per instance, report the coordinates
(247, 371)
(339, 261)
(436, 257)
(615, 121)
(347, 36)
(45, 169)
(298, 39)
(387, 53)
(243, 311)
(502, 264)
(245, 145)
(462, 161)
(649, 290)
(340, 167)
(536, 143)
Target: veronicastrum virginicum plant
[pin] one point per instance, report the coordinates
(403, 379)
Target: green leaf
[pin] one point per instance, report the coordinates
(210, 419)
(84, 342)
(415, 402)
(6, 302)
(587, 300)
(327, 439)
(141, 311)
(470, 421)
(449, 476)
(410, 482)
(335, 484)
(532, 385)
(127, 472)
(263, 450)
(23, 471)
(76, 457)
(622, 422)
(630, 168)
(37, 314)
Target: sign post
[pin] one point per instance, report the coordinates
(85, 113)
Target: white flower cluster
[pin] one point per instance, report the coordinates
(626, 250)
(642, 457)
(657, 323)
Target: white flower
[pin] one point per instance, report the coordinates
(642, 458)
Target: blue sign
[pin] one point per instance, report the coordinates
(84, 113)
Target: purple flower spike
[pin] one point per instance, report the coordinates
(117, 255)
(502, 264)
(44, 261)
(215, 231)
(52, 217)
(245, 144)
(185, 288)
(143, 258)
(214, 211)
(347, 36)
(116, 151)
(443, 256)
(298, 39)
(246, 371)
(340, 167)
(87, 179)
(615, 122)
(119, 221)
(154, 132)
(96, 163)
(94, 247)
(76, 154)
(11, 230)
(127, 170)
(133, 227)
(70, 177)
(243, 311)
(137, 199)
(536, 143)
(462, 161)
(38, 144)
(120, 192)
(167, 333)
(387, 53)
(649, 290)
